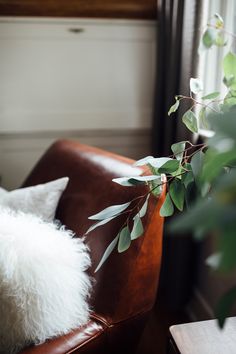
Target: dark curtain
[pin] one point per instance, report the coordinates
(177, 41)
(178, 37)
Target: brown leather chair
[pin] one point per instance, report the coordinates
(125, 287)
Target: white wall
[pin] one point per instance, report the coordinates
(60, 82)
(54, 79)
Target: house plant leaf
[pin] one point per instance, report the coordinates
(196, 85)
(109, 212)
(158, 162)
(203, 123)
(137, 229)
(190, 121)
(187, 177)
(174, 107)
(177, 193)
(143, 210)
(169, 167)
(100, 223)
(167, 208)
(178, 149)
(197, 163)
(124, 240)
(208, 38)
(215, 162)
(132, 181)
(107, 252)
(229, 65)
(143, 161)
(211, 95)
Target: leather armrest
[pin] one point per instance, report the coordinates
(76, 341)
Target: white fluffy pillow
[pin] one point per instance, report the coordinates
(41, 200)
(43, 284)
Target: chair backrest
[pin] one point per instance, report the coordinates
(126, 284)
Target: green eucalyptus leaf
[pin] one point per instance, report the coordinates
(143, 210)
(178, 172)
(123, 181)
(109, 212)
(152, 169)
(133, 181)
(178, 149)
(187, 177)
(107, 252)
(177, 193)
(174, 107)
(211, 96)
(100, 223)
(209, 37)
(230, 101)
(167, 208)
(203, 123)
(232, 92)
(219, 20)
(215, 163)
(158, 162)
(143, 161)
(169, 167)
(190, 121)
(225, 127)
(220, 40)
(156, 186)
(229, 80)
(143, 179)
(229, 65)
(197, 163)
(196, 85)
(124, 240)
(190, 194)
(137, 229)
(224, 306)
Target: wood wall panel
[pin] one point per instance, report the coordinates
(134, 9)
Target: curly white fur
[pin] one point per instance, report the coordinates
(43, 284)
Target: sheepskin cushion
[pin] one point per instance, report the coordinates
(41, 200)
(43, 284)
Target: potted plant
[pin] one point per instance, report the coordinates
(206, 170)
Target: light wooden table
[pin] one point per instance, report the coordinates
(203, 337)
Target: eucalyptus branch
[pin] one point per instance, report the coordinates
(193, 168)
(152, 190)
(195, 152)
(196, 102)
(189, 148)
(222, 29)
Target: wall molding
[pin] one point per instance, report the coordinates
(19, 151)
(90, 8)
(75, 133)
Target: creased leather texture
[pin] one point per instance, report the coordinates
(71, 342)
(125, 286)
